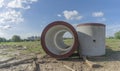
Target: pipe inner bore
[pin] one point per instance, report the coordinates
(55, 41)
(61, 42)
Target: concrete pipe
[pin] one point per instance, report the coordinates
(92, 39)
(52, 39)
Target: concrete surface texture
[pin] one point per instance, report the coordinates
(91, 39)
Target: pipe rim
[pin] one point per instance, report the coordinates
(91, 24)
(75, 44)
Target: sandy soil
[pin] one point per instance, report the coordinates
(109, 62)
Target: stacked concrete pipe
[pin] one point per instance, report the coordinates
(89, 38)
(92, 39)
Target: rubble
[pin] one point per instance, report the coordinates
(11, 59)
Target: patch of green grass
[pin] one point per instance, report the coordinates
(113, 44)
(68, 42)
(35, 46)
(32, 46)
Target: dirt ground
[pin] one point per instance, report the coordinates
(108, 62)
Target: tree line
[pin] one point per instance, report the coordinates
(17, 38)
(116, 36)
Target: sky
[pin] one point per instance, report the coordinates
(29, 17)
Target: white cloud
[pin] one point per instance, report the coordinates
(59, 15)
(5, 27)
(11, 13)
(11, 16)
(1, 3)
(24, 4)
(72, 15)
(97, 14)
(15, 4)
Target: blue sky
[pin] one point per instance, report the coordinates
(29, 17)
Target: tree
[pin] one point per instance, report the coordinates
(117, 35)
(16, 38)
(2, 39)
(110, 37)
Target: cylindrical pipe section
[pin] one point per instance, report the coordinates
(52, 39)
(91, 39)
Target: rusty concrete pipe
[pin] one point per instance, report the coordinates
(52, 39)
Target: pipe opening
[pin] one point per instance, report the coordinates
(63, 40)
(59, 39)
(68, 39)
(55, 40)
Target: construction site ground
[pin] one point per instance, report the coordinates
(25, 62)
